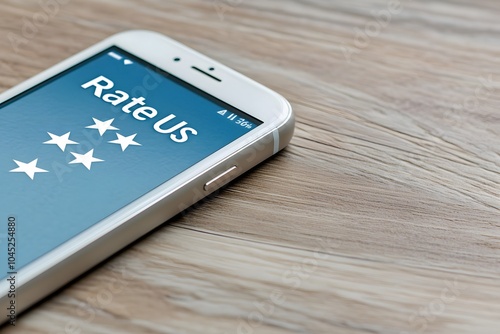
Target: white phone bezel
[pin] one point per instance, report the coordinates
(158, 50)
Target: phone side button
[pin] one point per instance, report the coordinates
(220, 180)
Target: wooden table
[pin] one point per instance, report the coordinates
(382, 216)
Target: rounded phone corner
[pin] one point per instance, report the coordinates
(287, 128)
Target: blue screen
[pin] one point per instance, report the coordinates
(85, 143)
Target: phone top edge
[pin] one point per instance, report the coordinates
(273, 108)
(274, 103)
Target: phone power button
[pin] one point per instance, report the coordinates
(220, 180)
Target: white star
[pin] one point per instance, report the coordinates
(29, 168)
(102, 126)
(85, 159)
(125, 141)
(60, 141)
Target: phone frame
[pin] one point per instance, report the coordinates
(67, 261)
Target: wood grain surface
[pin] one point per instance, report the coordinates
(383, 214)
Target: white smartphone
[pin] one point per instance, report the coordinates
(112, 142)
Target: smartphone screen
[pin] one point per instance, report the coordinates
(94, 138)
